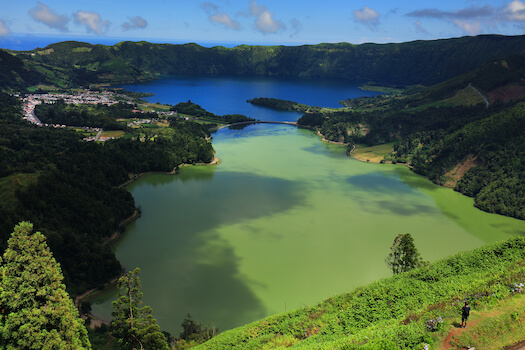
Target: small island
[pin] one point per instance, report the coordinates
(281, 105)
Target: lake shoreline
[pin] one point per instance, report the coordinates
(88, 294)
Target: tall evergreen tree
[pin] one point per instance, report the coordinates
(404, 255)
(35, 309)
(135, 326)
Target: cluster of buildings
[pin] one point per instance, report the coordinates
(30, 101)
(85, 97)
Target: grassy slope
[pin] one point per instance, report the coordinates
(372, 154)
(394, 311)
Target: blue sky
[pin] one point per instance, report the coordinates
(260, 21)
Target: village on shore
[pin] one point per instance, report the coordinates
(108, 98)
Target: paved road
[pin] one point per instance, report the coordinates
(98, 134)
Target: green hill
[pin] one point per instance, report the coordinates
(417, 62)
(404, 311)
(465, 133)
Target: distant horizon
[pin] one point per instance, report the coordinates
(258, 22)
(28, 42)
(25, 42)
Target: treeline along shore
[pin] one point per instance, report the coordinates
(69, 188)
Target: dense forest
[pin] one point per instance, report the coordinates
(435, 131)
(418, 62)
(97, 116)
(68, 188)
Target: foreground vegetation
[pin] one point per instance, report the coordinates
(405, 311)
(415, 309)
(35, 309)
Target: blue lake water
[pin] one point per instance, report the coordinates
(228, 95)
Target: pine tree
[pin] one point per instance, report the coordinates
(135, 326)
(35, 309)
(404, 255)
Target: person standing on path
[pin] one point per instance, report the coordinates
(465, 313)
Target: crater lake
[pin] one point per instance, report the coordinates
(285, 220)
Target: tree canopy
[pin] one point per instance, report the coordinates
(135, 325)
(404, 255)
(35, 309)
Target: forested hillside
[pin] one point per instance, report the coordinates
(465, 133)
(67, 187)
(493, 151)
(417, 62)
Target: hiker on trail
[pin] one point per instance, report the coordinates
(465, 312)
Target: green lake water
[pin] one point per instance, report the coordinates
(283, 222)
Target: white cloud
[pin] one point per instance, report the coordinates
(474, 19)
(265, 22)
(224, 19)
(136, 22)
(515, 11)
(4, 31)
(470, 27)
(42, 13)
(367, 16)
(92, 21)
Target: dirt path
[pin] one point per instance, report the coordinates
(454, 333)
(519, 346)
(479, 316)
(355, 156)
(332, 142)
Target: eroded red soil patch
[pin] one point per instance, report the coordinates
(456, 174)
(506, 93)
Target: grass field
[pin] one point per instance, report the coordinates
(84, 132)
(113, 133)
(149, 107)
(47, 88)
(465, 97)
(373, 154)
(383, 89)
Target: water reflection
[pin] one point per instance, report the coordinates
(177, 235)
(379, 182)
